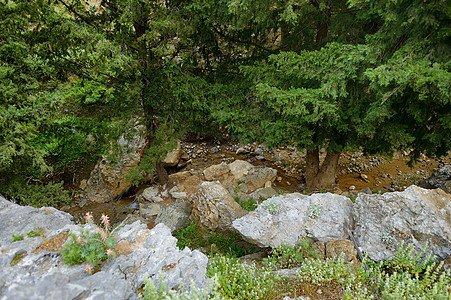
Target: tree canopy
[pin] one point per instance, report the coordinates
(317, 73)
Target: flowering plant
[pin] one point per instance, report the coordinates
(91, 247)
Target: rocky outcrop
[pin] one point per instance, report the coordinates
(216, 172)
(33, 269)
(440, 179)
(173, 157)
(107, 180)
(239, 168)
(154, 194)
(256, 178)
(175, 216)
(287, 219)
(185, 182)
(240, 173)
(416, 215)
(336, 248)
(213, 207)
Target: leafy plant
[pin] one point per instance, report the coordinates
(151, 292)
(17, 257)
(334, 271)
(17, 237)
(35, 233)
(315, 212)
(282, 192)
(38, 195)
(406, 261)
(284, 257)
(92, 248)
(271, 206)
(410, 276)
(224, 243)
(249, 204)
(238, 281)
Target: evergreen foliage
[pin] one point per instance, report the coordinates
(317, 73)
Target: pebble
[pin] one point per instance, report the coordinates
(351, 187)
(241, 151)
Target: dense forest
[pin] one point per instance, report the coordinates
(77, 74)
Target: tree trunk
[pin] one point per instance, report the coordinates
(311, 166)
(162, 174)
(322, 26)
(321, 177)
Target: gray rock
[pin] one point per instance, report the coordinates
(173, 157)
(259, 151)
(216, 172)
(106, 181)
(239, 168)
(175, 216)
(366, 190)
(149, 210)
(256, 178)
(16, 219)
(132, 218)
(154, 254)
(287, 219)
(440, 179)
(263, 193)
(134, 205)
(214, 207)
(42, 275)
(152, 194)
(241, 151)
(179, 195)
(415, 215)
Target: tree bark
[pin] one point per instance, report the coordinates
(321, 177)
(322, 26)
(162, 174)
(312, 166)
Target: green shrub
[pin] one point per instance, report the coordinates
(334, 271)
(38, 195)
(151, 292)
(406, 261)
(92, 248)
(35, 233)
(225, 243)
(17, 237)
(240, 281)
(271, 206)
(410, 276)
(249, 205)
(285, 257)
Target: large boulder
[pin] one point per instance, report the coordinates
(216, 172)
(416, 215)
(256, 178)
(239, 168)
(240, 173)
(287, 219)
(33, 268)
(185, 182)
(173, 157)
(214, 207)
(175, 216)
(107, 181)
